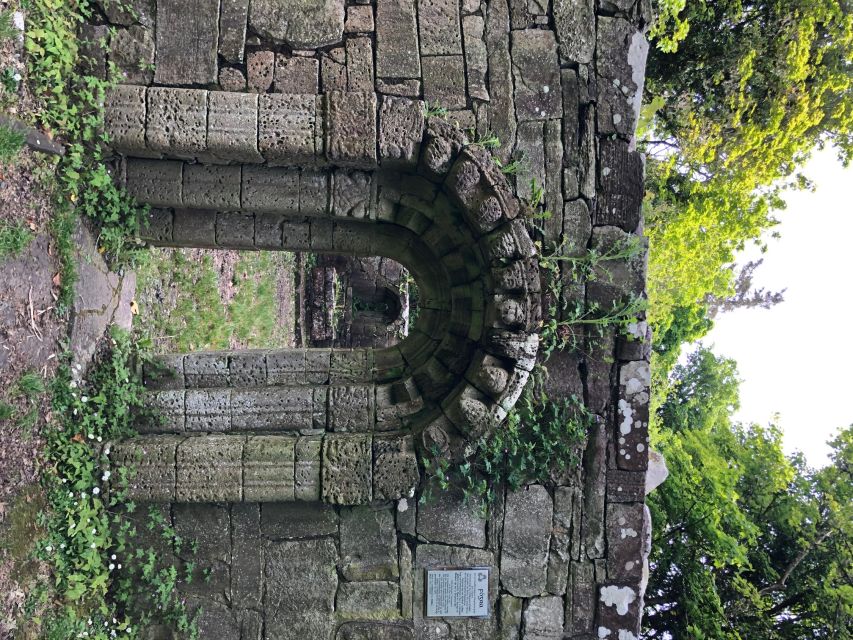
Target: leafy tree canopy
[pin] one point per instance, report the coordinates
(748, 544)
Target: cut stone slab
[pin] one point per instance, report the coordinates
(296, 75)
(446, 519)
(359, 64)
(537, 75)
(154, 460)
(368, 544)
(626, 535)
(268, 469)
(510, 617)
(307, 477)
(374, 600)
(444, 81)
(580, 606)
(286, 128)
(232, 29)
(620, 177)
(129, 12)
(439, 26)
(543, 618)
(351, 129)
(397, 53)
(232, 126)
(301, 581)
(247, 556)
(526, 537)
(359, 19)
(347, 466)
(124, 118)
(270, 189)
(374, 631)
(302, 24)
(395, 468)
(285, 521)
(177, 121)
(210, 469)
(187, 42)
(212, 186)
(501, 109)
(132, 51)
(260, 70)
(401, 125)
(155, 182)
(476, 56)
(575, 27)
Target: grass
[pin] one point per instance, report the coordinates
(30, 385)
(14, 238)
(193, 315)
(11, 143)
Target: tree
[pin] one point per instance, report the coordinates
(748, 543)
(735, 110)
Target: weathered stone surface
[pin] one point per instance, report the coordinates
(155, 182)
(595, 466)
(124, 118)
(476, 56)
(580, 605)
(333, 70)
(406, 577)
(177, 121)
(208, 410)
(260, 68)
(153, 457)
(206, 369)
(618, 280)
(376, 600)
(301, 583)
(129, 12)
(347, 467)
(272, 408)
(231, 79)
(374, 631)
(302, 24)
(439, 27)
(351, 129)
(632, 419)
(446, 519)
(625, 538)
(537, 75)
(657, 473)
(359, 64)
(187, 42)
(510, 616)
(625, 486)
(559, 552)
(619, 606)
(307, 474)
(526, 536)
(530, 144)
(246, 556)
(575, 27)
(359, 19)
(283, 521)
(368, 544)
(194, 228)
(621, 65)
(232, 29)
(620, 185)
(132, 51)
(268, 469)
(543, 618)
(209, 469)
(444, 81)
(287, 128)
(211, 186)
(272, 190)
(93, 42)
(297, 74)
(502, 106)
(351, 408)
(405, 88)
(395, 468)
(401, 124)
(396, 40)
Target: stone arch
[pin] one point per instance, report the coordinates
(341, 425)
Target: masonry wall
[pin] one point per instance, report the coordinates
(247, 106)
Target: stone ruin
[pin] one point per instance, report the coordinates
(313, 125)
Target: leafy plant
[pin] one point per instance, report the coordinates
(30, 385)
(510, 168)
(8, 30)
(434, 110)
(487, 141)
(11, 142)
(14, 238)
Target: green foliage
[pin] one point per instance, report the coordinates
(102, 584)
(30, 385)
(11, 142)
(72, 105)
(748, 543)
(752, 88)
(541, 438)
(14, 238)
(434, 110)
(8, 30)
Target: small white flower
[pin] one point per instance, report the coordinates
(48, 548)
(82, 494)
(99, 439)
(106, 453)
(70, 495)
(94, 546)
(119, 566)
(94, 531)
(84, 399)
(106, 476)
(74, 412)
(62, 546)
(96, 491)
(91, 436)
(112, 566)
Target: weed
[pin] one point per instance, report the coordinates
(11, 143)
(510, 168)
(8, 30)
(434, 111)
(487, 141)
(14, 238)
(10, 80)
(30, 385)
(6, 411)
(537, 194)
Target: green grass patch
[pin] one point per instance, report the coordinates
(11, 143)
(14, 238)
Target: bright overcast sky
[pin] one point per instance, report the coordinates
(793, 358)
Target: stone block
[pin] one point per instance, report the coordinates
(626, 533)
(153, 461)
(368, 544)
(286, 366)
(211, 186)
(293, 520)
(595, 484)
(444, 81)
(232, 126)
(359, 19)
(235, 231)
(575, 28)
(373, 600)
(270, 190)
(177, 121)
(124, 118)
(374, 631)
(359, 64)
(404, 88)
(621, 188)
(194, 228)
(476, 56)
(302, 24)
(333, 70)
(247, 556)
(260, 69)
(632, 419)
(346, 469)
(510, 617)
(247, 368)
(560, 546)
(397, 52)
(621, 66)
(401, 127)
(297, 75)
(406, 578)
(167, 412)
(286, 128)
(132, 52)
(206, 369)
(210, 469)
(501, 109)
(232, 29)
(307, 474)
(395, 468)
(350, 365)
(208, 410)
(543, 618)
(231, 80)
(156, 227)
(272, 408)
(129, 12)
(351, 408)
(446, 518)
(155, 182)
(439, 27)
(617, 280)
(526, 537)
(301, 582)
(187, 42)
(314, 192)
(208, 526)
(352, 193)
(537, 75)
(625, 486)
(351, 129)
(165, 371)
(620, 609)
(268, 469)
(580, 606)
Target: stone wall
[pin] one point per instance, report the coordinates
(277, 124)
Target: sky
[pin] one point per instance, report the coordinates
(793, 359)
